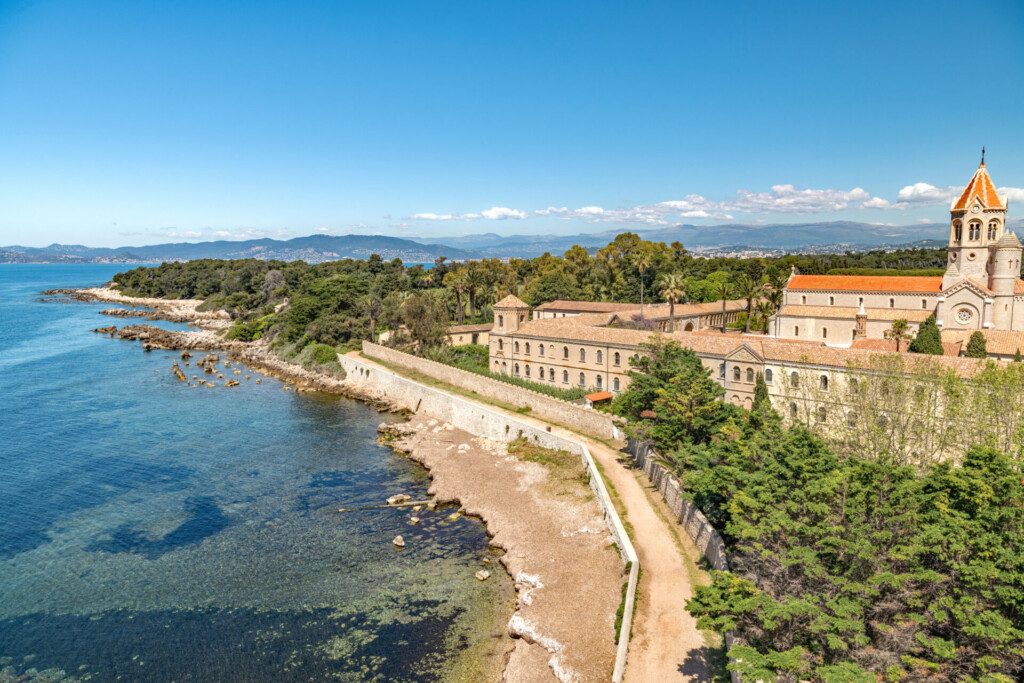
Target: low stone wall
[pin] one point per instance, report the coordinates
(698, 528)
(576, 417)
(490, 423)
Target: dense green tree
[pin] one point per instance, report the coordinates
(899, 332)
(761, 399)
(976, 346)
(928, 339)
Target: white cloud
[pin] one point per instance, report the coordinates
(495, 213)
(876, 203)
(925, 193)
(1014, 194)
(502, 213)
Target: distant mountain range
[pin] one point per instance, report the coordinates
(713, 239)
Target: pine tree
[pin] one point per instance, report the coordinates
(928, 339)
(761, 400)
(976, 346)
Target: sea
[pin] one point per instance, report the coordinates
(155, 531)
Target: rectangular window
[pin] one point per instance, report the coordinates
(924, 304)
(796, 331)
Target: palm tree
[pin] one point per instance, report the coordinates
(643, 262)
(456, 281)
(765, 310)
(723, 290)
(900, 331)
(750, 289)
(673, 288)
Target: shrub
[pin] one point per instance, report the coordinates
(324, 354)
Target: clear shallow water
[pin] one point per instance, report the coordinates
(154, 531)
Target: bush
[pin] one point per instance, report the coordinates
(976, 346)
(324, 354)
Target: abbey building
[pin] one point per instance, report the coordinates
(980, 290)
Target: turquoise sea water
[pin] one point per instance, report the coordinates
(156, 532)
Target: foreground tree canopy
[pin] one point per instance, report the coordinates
(845, 567)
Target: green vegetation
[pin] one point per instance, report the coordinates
(567, 475)
(976, 346)
(846, 567)
(928, 339)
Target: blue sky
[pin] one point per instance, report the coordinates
(136, 122)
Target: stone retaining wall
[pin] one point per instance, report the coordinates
(490, 423)
(579, 418)
(698, 528)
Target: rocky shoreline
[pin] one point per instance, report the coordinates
(567, 574)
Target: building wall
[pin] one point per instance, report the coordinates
(898, 301)
(601, 365)
(464, 338)
(831, 330)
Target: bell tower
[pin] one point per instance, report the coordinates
(977, 221)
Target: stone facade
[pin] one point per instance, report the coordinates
(980, 290)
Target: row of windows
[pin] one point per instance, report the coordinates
(598, 356)
(860, 301)
(549, 375)
(974, 230)
(794, 377)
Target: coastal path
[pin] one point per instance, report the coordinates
(666, 644)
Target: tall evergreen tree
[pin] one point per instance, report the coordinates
(928, 339)
(761, 400)
(976, 346)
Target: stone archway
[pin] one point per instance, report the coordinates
(689, 326)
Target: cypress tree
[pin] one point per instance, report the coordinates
(761, 401)
(1016, 356)
(928, 339)
(976, 346)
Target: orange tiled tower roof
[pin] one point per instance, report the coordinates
(982, 187)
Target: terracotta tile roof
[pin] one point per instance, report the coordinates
(850, 312)
(660, 311)
(982, 187)
(889, 346)
(511, 301)
(867, 283)
(482, 327)
(1001, 342)
(1018, 287)
(599, 396)
(568, 306)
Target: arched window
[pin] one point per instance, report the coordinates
(958, 232)
(551, 374)
(792, 410)
(527, 370)
(540, 373)
(599, 381)
(565, 376)
(803, 298)
(551, 350)
(822, 414)
(615, 384)
(892, 303)
(527, 348)
(515, 347)
(540, 349)
(993, 228)
(768, 376)
(750, 374)
(501, 344)
(851, 419)
(615, 358)
(735, 373)
(974, 230)
(600, 357)
(924, 304)
(823, 382)
(824, 333)
(583, 355)
(565, 352)
(515, 369)
(501, 321)
(794, 379)
(583, 380)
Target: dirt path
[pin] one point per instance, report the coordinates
(666, 644)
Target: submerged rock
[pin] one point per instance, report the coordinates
(398, 541)
(398, 498)
(176, 369)
(483, 575)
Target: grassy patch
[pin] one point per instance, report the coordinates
(567, 475)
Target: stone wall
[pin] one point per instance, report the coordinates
(698, 528)
(576, 417)
(490, 423)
